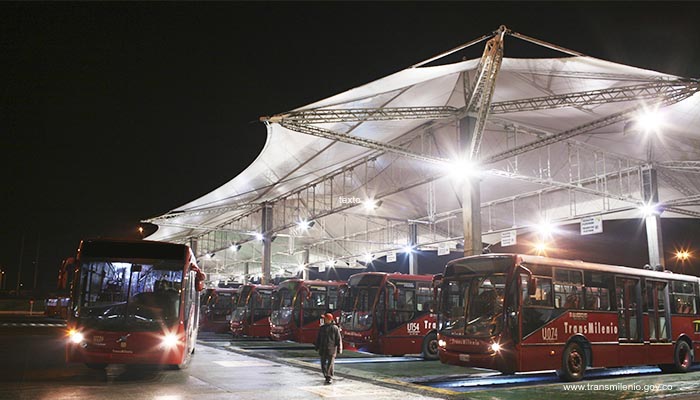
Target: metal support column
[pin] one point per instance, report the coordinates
(471, 193)
(267, 244)
(305, 262)
(471, 216)
(193, 245)
(413, 255)
(650, 194)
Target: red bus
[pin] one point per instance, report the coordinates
(528, 313)
(389, 314)
(217, 310)
(252, 314)
(133, 302)
(298, 307)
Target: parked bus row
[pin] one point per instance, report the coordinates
(138, 302)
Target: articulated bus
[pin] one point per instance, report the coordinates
(133, 302)
(217, 310)
(298, 307)
(389, 314)
(528, 313)
(251, 317)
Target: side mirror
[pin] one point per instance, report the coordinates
(199, 278)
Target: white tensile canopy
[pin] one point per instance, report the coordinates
(556, 139)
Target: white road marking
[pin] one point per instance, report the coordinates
(238, 364)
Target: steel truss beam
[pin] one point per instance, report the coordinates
(689, 166)
(644, 91)
(363, 142)
(483, 87)
(325, 116)
(576, 186)
(587, 127)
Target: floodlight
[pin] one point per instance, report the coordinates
(540, 247)
(545, 228)
(235, 246)
(462, 168)
(367, 258)
(372, 204)
(304, 224)
(649, 120)
(408, 249)
(683, 255)
(258, 236)
(649, 209)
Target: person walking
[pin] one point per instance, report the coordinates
(328, 344)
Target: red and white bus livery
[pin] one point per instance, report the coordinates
(251, 317)
(389, 314)
(527, 313)
(298, 307)
(217, 311)
(133, 302)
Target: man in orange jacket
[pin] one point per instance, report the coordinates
(328, 344)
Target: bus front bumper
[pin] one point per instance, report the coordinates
(468, 359)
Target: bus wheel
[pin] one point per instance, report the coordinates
(573, 363)
(430, 346)
(682, 357)
(99, 366)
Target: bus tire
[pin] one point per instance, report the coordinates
(573, 363)
(97, 366)
(682, 358)
(430, 346)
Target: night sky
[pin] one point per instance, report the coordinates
(111, 113)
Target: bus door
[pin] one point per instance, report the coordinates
(658, 332)
(628, 294)
(381, 312)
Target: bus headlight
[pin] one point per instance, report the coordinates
(496, 347)
(75, 336)
(442, 343)
(169, 341)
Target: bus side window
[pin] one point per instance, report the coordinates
(684, 297)
(543, 293)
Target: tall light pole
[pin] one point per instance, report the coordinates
(19, 267)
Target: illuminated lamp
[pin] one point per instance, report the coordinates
(305, 225)
(462, 168)
(540, 247)
(372, 204)
(649, 209)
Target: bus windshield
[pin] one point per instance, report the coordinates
(360, 316)
(224, 300)
(125, 295)
(282, 306)
(473, 306)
